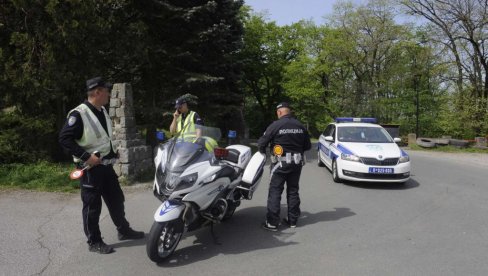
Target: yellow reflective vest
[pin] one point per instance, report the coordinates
(94, 138)
(189, 128)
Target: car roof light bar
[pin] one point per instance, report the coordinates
(355, 120)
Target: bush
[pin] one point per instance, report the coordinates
(24, 139)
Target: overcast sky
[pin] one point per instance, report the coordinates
(285, 12)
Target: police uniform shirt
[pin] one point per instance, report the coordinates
(287, 132)
(73, 130)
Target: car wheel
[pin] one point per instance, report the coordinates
(319, 162)
(335, 174)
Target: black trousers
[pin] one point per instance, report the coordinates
(289, 174)
(97, 183)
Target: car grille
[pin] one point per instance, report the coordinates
(376, 175)
(376, 162)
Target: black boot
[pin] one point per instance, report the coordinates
(291, 224)
(269, 226)
(130, 234)
(100, 247)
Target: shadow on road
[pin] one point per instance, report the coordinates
(243, 233)
(130, 243)
(307, 218)
(410, 184)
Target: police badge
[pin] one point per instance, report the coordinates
(71, 120)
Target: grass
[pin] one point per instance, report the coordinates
(43, 176)
(51, 177)
(449, 148)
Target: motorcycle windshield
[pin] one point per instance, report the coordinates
(183, 155)
(188, 146)
(184, 149)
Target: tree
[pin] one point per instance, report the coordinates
(464, 28)
(49, 48)
(164, 48)
(268, 48)
(193, 49)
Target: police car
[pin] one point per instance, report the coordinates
(358, 149)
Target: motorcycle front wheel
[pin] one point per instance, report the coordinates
(163, 239)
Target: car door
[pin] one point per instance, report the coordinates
(325, 146)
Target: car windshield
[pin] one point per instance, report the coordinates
(362, 134)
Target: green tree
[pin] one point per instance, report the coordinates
(49, 48)
(461, 28)
(192, 48)
(164, 48)
(268, 48)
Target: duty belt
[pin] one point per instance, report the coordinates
(289, 158)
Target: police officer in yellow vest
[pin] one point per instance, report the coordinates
(88, 129)
(185, 122)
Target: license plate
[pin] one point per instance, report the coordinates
(381, 170)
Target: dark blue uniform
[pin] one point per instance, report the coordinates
(96, 183)
(294, 139)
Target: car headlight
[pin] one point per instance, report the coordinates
(350, 157)
(404, 159)
(187, 181)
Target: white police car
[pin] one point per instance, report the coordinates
(358, 149)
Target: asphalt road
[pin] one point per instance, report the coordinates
(436, 224)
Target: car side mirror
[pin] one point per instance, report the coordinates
(329, 139)
(397, 140)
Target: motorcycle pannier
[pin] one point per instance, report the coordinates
(252, 174)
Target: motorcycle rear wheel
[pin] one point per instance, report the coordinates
(163, 239)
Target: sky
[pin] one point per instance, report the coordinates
(286, 12)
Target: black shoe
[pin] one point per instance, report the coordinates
(130, 234)
(269, 227)
(291, 224)
(100, 247)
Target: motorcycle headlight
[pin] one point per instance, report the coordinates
(187, 181)
(350, 157)
(404, 159)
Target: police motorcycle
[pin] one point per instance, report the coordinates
(199, 184)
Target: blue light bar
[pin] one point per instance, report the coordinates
(355, 120)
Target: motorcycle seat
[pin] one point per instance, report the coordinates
(227, 172)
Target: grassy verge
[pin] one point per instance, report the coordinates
(449, 149)
(43, 176)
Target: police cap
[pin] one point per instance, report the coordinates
(283, 104)
(97, 82)
(180, 101)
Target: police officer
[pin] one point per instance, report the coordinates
(186, 120)
(288, 140)
(88, 130)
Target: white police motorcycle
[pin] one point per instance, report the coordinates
(199, 184)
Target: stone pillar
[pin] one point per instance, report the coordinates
(412, 139)
(134, 156)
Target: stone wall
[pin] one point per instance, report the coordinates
(135, 157)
